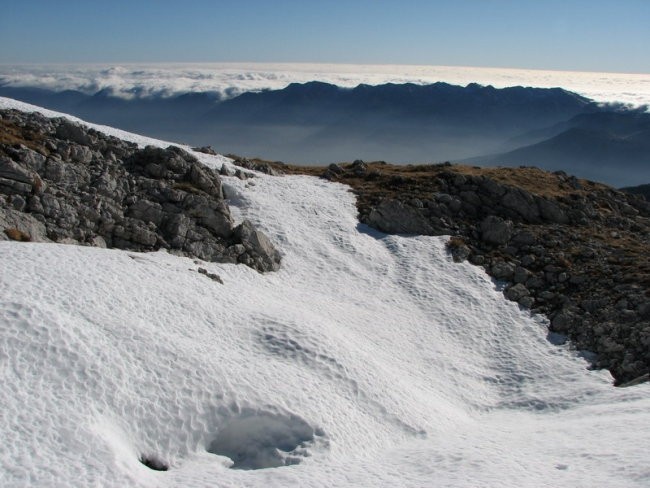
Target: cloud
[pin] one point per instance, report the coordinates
(231, 79)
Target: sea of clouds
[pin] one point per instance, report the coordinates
(231, 79)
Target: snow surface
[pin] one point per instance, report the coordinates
(374, 359)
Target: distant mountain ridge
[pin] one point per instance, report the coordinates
(317, 123)
(609, 146)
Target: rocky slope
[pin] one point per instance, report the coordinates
(571, 249)
(63, 182)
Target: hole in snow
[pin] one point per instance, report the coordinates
(258, 440)
(154, 463)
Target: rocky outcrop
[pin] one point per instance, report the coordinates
(67, 183)
(573, 250)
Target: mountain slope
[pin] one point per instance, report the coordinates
(612, 147)
(318, 122)
(374, 359)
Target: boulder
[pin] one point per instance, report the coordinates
(258, 246)
(495, 230)
(516, 292)
(396, 217)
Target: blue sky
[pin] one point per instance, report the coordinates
(583, 35)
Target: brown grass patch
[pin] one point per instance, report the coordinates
(12, 134)
(455, 242)
(422, 177)
(187, 186)
(17, 235)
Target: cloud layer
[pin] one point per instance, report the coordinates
(230, 79)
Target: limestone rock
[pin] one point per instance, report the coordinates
(94, 189)
(495, 230)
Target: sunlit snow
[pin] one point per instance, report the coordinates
(367, 360)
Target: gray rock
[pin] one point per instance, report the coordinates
(94, 189)
(208, 216)
(258, 245)
(9, 170)
(644, 310)
(495, 230)
(563, 321)
(521, 274)
(335, 168)
(146, 211)
(73, 132)
(522, 203)
(526, 301)
(23, 222)
(226, 170)
(502, 270)
(205, 150)
(551, 211)
(516, 292)
(206, 180)
(81, 154)
(359, 168)
(395, 217)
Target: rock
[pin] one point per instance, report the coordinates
(212, 276)
(524, 238)
(81, 154)
(10, 170)
(395, 217)
(562, 321)
(226, 170)
(206, 180)
(359, 168)
(146, 211)
(502, 270)
(98, 241)
(516, 292)
(520, 274)
(94, 189)
(644, 310)
(335, 168)
(494, 230)
(258, 245)
(208, 215)
(636, 381)
(205, 150)
(522, 203)
(551, 211)
(24, 223)
(73, 132)
(526, 302)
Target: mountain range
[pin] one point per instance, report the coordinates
(317, 123)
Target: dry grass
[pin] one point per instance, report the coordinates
(188, 187)
(17, 235)
(12, 134)
(533, 180)
(455, 242)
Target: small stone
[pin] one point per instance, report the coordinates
(516, 292)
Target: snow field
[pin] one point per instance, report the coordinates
(367, 360)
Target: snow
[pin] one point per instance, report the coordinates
(375, 360)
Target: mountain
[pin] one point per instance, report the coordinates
(605, 146)
(643, 190)
(367, 359)
(318, 122)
